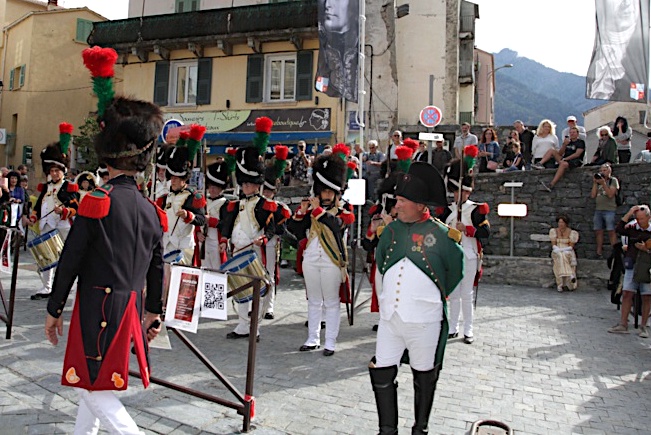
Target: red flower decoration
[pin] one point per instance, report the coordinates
(281, 152)
(231, 151)
(341, 148)
(184, 135)
(197, 131)
(411, 144)
(100, 61)
(352, 165)
(263, 124)
(471, 151)
(65, 128)
(404, 152)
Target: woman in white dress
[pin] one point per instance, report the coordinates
(563, 239)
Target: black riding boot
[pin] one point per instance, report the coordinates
(385, 388)
(424, 388)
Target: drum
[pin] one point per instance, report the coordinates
(249, 264)
(46, 250)
(174, 256)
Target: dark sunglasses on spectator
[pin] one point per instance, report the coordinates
(603, 135)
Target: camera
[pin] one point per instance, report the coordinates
(598, 176)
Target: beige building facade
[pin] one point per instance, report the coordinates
(44, 79)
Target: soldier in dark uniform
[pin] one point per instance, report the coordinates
(114, 249)
(58, 199)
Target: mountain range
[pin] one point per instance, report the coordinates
(530, 91)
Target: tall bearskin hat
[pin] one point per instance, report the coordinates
(161, 157)
(56, 154)
(329, 172)
(453, 173)
(422, 184)
(128, 127)
(248, 166)
(386, 191)
(217, 174)
(181, 159)
(86, 176)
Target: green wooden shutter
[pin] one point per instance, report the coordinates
(21, 79)
(254, 78)
(84, 27)
(161, 83)
(304, 79)
(11, 79)
(204, 80)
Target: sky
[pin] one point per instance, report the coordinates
(556, 33)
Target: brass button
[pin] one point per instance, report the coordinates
(397, 300)
(59, 311)
(99, 358)
(107, 290)
(103, 324)
(397, 291)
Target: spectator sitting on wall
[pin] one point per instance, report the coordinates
(526, 141)
(544, 141)
(570, 156)
(606, 148)
(514, 160)
(507, 149)
(604, 191)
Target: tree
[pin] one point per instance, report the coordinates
(85, 145)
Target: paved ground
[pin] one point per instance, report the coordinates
(542, 363)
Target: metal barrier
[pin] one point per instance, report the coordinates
(8, 303)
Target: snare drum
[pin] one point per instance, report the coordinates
(249, 264)
(46, 250)
(173, 257)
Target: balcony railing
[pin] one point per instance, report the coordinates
(264, 20)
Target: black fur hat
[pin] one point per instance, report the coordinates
(128, 132)
(329, 172)
(161, 156)
(52, 156)
(422, 184)
(386, 191)
(248, 167)
(270, 178)
(216, 174)
(452, 174)
(178, 163)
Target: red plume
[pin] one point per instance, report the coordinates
(263, 124)
(411, 144)
(184, 135)
(197, 131)
(341, 148)
(404, 152)
(471, 151)
(100, 61)
(281, 152)
(65, 128)
(231, 151)
(352, 165)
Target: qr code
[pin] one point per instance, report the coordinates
(214, 296)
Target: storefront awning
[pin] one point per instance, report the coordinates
(219, 141)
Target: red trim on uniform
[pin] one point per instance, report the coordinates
(439, 210)
(271, 206)
(72, 187)
(317, 211)
(64, 213)
(286, 212)
(230, 206)
(199, 201)
(40, 187)
(373, 210)
(470, 231)
(483, 208)
(159, 201)
(302, 244)
(347, 218)
(189, 218)
(213, 222)
(162, 216)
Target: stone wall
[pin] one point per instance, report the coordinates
(571, 196)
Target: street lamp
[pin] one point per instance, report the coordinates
(490, 106)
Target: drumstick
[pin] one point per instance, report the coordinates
(247, 246)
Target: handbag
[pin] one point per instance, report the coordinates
(491, 165)
(641, 270)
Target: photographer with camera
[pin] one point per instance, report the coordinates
(604, 191)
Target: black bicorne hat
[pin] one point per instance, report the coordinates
(216, 174)
(329, 172)
(52, 156)
(86, 176)
(422, 184)
(248, 167)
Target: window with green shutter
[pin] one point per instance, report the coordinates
(21, 80)
(11, 80)
(186, 5)
(304, 79)
(204, 80)
(84, 27)
(254, 78)
(161, 83)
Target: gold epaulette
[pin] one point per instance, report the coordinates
(453, 233)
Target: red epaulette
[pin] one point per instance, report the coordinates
(96, 204)
(162, 216)
(286, 211)
(374, 209)
(159, 201)
(271, 206)
(349, 207)
(347, 217)
(231, 206)
(40, 187)
(72, 187)
(483, 208)
(198, 200)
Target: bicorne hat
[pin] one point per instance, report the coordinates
(422, 184)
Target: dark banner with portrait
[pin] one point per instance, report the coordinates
(336, 73)
(619, 69)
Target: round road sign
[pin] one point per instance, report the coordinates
(169, 124)
(431, 116)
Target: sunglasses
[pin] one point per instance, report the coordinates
(603, 135)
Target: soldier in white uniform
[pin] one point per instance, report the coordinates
(214, 248)
(469, 217)
(58, 199)
(184, 206)
(160, 185)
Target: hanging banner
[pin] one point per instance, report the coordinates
(619, 69)
(336, 73)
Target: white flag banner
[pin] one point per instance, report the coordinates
(619, 68)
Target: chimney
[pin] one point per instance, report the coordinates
(52, 5)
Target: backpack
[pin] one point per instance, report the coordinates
(619, 198)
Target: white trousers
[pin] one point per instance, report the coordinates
(461, 300)
(395, 335)
(212, 260)
(47, 277)
(103, 407)
(322, 282)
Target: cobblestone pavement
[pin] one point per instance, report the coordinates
(543, 363)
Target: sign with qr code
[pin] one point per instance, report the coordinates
(213, 305)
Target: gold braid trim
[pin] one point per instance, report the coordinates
(132, 153)
(330, 247)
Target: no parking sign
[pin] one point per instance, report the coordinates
(431, 116)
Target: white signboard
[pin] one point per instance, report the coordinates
(184, 299)
(3, 136)
(213, 303)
